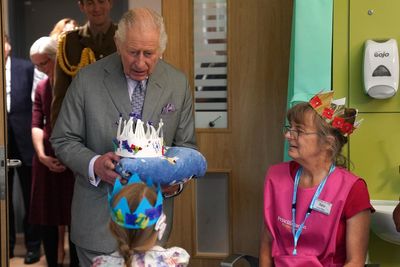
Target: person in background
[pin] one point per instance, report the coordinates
(137, 239)
(52, 184)
(62, 26)
(135, 81)
(316, 213)
(19, 83)
(82, 46)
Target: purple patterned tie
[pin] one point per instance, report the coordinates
(137, 99)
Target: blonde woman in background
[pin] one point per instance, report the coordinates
(64, 25)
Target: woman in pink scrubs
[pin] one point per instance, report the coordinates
(316, 212)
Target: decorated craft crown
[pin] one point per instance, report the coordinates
(135, 142)
(335, 113)
(145, 214)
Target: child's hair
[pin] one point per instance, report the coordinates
(132, 241)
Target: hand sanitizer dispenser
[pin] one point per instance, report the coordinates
(381, 68)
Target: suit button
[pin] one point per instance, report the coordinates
(101, 56)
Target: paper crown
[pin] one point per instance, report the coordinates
(135, 142)
(335, 113)
(145, 214)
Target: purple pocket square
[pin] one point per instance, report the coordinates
(169, 108)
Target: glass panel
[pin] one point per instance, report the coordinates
(212, 214)
(210, 60)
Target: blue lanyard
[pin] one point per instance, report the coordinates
(296, 234)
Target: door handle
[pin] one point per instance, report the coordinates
(13, 163)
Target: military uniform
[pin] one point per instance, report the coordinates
(74, 43)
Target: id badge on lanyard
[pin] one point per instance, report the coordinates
(318, 205)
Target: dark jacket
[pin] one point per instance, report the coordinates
(75, 42)
(19, 118)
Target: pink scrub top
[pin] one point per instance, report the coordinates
(315, 246)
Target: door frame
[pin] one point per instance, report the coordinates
(3, 166)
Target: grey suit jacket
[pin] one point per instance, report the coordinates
(87, 124)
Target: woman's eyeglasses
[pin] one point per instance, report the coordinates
(295, 133)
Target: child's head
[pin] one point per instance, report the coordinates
(137, 218)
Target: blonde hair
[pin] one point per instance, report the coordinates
(145, 18)
(132, 241)
(60, 25)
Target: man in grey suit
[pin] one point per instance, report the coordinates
(82, 137)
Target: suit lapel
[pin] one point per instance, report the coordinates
(154, 93)
(115, 83)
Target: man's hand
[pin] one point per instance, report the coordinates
(104, 167)
(172, 190)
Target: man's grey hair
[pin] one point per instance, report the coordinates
(146, 18)
(44, 45)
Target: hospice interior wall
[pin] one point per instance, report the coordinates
(373, 149)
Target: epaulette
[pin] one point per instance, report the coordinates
(87, 55)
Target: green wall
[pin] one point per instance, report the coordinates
(374, 149)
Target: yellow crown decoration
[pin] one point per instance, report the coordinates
(335, 113)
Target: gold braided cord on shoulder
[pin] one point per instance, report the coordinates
(87, 57)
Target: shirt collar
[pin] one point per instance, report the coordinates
(8, 62)
(133, 83)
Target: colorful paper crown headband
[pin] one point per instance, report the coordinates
(145, 214)
(335, 113)
(133, 141)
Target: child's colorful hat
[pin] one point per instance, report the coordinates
(145, 214)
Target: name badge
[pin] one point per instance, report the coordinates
(322, 206)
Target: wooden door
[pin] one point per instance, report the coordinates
(258, 63)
